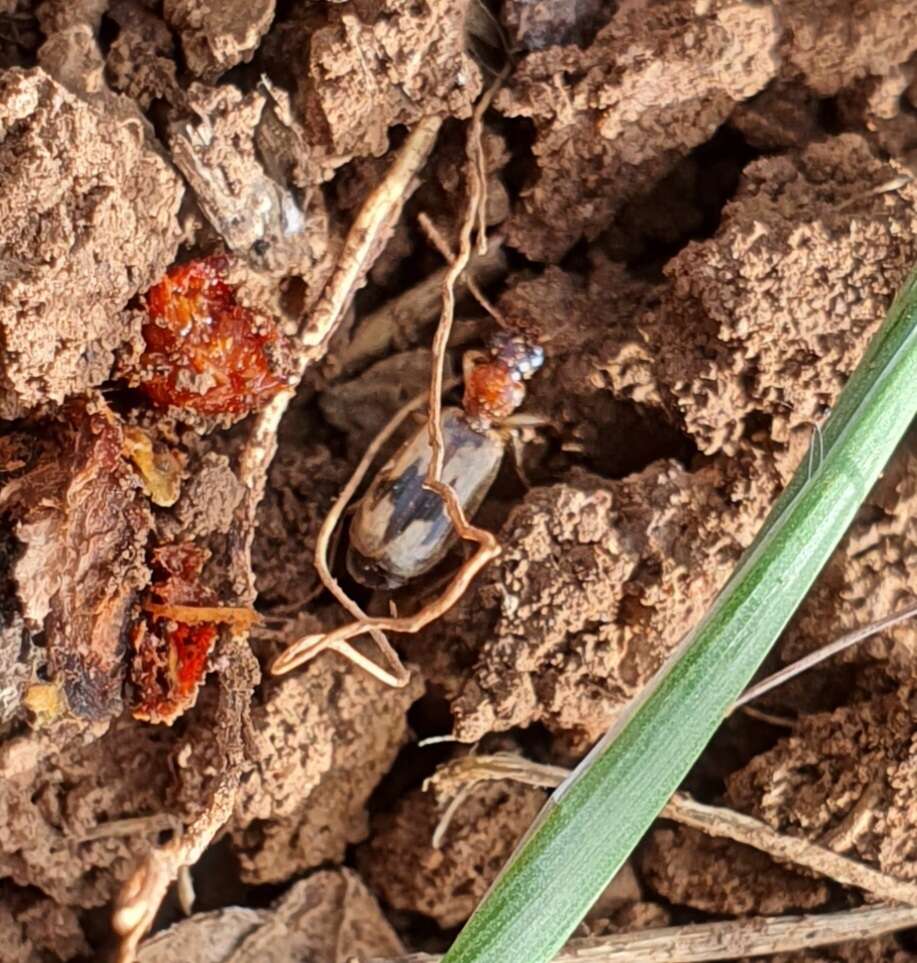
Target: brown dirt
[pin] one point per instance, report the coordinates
(329, 916)
(701, 211)
(872, 573)
(215, 37)
(687, 868)
(89, 220)
(53, 795)
(400, 863)
(806, 783)
(593, 589)
(607, 129)
(321, 744)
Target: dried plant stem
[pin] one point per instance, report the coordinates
(367, 237)
(132, 826)
(784, 722)
(728, 824)
(754, 936)
(825, 652)
(713, 820)
(144, 890)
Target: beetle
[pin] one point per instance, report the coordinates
(401, 529)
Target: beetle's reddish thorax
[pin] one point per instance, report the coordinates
(495, 385)
(492, 393)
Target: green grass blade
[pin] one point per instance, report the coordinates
(595, 820)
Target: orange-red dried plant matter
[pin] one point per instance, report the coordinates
(204, 351)
(172, 640)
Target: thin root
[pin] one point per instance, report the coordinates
(886, 187)
(715, 821)
(435, 237)
(184, 885)
(399, 676)
(825, 652)
(474, 152)
(783, 722)
(400, 322)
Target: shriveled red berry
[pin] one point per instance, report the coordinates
(205, 351)
(492, 393)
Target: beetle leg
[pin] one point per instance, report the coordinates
(518, 447)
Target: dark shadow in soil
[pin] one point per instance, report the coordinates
(686, 205)
(19, 39)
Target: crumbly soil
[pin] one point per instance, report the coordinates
(702, 210)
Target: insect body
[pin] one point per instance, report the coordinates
(401, 529)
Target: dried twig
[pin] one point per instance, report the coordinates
(712, 820)
(474, 768)
(755, 936)
(726, 823)
(825, 652)
(144, 890)
(132, 826)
